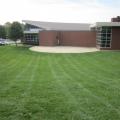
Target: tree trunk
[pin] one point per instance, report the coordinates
(16, 43)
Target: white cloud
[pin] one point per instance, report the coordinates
(47, 1)
(56, 10)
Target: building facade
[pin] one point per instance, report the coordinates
(103, 35)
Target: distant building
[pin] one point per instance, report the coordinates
(103, 35)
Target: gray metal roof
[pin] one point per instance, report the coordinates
(59, 26)
(107, 24)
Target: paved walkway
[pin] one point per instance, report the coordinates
(63, 49)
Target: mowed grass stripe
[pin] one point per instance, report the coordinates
(94, 70)
(14, 70)
(77, 77)
(3, 53)
(13, 75)
(94, 75)
(26, 94)
(59, 86)
(104, 92)
(21, 93)
(92, 93)
(61, 76)
(12, 63)
(101, 63)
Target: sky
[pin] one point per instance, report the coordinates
(75, 11)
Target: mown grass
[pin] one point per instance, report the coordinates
(41, 86)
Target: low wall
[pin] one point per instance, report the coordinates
(81, 38)
(48, 38)
(68, 38)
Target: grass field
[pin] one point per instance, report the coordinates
(41, 86)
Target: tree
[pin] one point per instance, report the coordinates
(2, 32)
(7, 28)
(16, 31)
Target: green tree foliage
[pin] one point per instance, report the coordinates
(23, 26)
(16, 31)
(2, 32)
(7, 28)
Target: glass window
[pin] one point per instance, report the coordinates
(104, 35)
(31, 38)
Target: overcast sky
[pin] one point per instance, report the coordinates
(80, 11)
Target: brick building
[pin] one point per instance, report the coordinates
(103, 35)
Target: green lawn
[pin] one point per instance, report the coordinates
(41, 86)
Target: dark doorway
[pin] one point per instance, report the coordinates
(59, 38)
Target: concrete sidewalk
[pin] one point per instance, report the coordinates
(63, 49)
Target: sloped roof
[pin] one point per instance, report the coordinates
(59, 26)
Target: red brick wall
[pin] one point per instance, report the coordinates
(116, 38)
(81, 38)
(48, 38)
(76, 38)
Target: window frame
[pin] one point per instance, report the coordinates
(104, 37)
